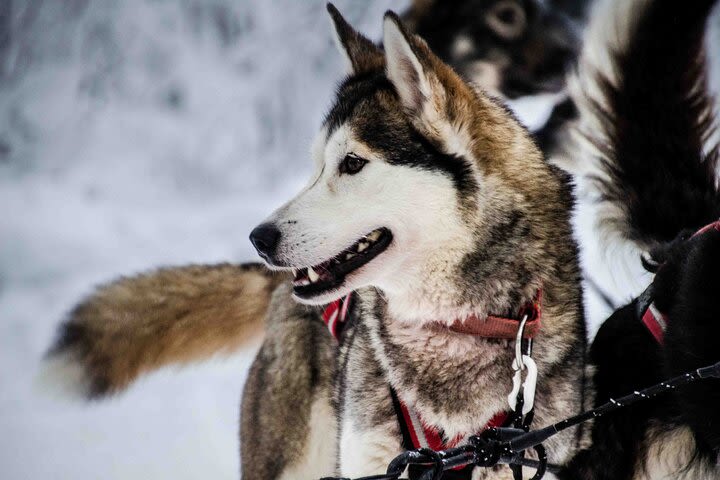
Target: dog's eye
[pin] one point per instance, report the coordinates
(352, 164)
(507, 19)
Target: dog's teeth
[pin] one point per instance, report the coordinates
(294, 272)
(312, 275)
(349, 256)
(374, 235)
(362, 246)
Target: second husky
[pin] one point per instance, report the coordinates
(434, 205)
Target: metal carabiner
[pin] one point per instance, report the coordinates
(520, 363)
(528, 386)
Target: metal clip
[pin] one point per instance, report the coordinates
(520, 363)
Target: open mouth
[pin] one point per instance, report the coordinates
(330, 274)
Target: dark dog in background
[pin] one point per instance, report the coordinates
(509, 48)
(647, 118)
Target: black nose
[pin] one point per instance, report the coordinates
(265, 239)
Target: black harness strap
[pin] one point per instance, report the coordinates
(407, 442)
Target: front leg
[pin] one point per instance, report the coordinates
(369, 431)
(367, 450)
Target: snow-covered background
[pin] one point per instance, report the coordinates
(134, 134)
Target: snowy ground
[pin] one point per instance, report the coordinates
(136, 134)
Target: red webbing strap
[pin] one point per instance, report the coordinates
(335, 315)
(715, 225)
(494, 326)
(417, 434)
(654, 320)
(422, 435)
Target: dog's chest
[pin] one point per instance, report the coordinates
(454, 383)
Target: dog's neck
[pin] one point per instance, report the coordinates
(463, 285)
(430, 307)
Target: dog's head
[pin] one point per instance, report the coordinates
(418, 178)
(508, 47)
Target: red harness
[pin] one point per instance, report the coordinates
(654, 320)
(416, 432)
(656, 323)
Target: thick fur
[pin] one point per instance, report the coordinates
(287, 398)
(510, 48)
(672, 436)
(479, 223)
(645, 121)
(646, 124)
(506, 47)
(169, 316)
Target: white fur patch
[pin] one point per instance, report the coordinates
(63, 376)
(670, 456)
(462, 46)
(366, 452)
(317, 150)
(535, 110)
(318, 459)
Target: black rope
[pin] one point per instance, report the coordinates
(505, 445)
(531, 439)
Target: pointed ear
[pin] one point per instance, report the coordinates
(362, 54)
(410, 67)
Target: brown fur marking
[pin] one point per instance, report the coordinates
(171, 315)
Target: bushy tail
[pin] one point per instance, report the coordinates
(172, 315)
(646, 118)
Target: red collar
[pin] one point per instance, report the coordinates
(656, 323)
(492, 326)
(654, 320)
(715, 225)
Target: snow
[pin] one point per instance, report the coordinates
(136, 134)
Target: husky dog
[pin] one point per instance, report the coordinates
(508, 47)
(432, 204)
(646, 119)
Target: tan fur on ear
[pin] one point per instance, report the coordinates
(438, 102)
(172, 315)
(408, 66)
(459, 119)
(361, 53)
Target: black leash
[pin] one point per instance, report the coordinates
(520, 421)
(507, 445)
